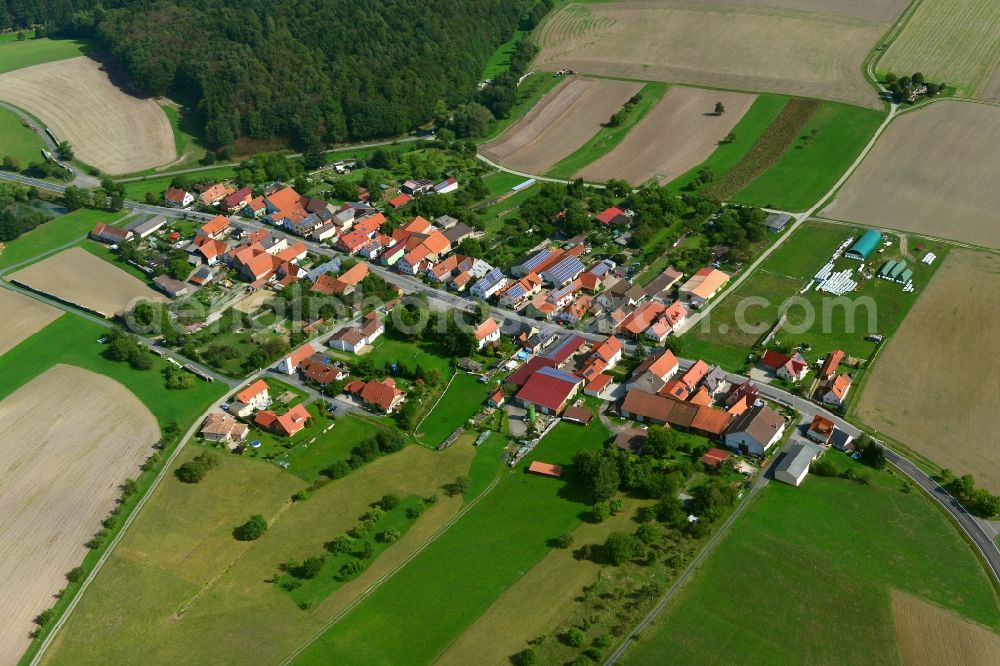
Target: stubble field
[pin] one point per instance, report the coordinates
(70, 437)
(107, 127)
(679, 133)
(929, 634)
(77, 276)
(23, 316)
(932, 172)
(934, 388)
(560, 123)
(955, 41)
(801, 48)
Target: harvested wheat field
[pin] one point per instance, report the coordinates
(955, 41)
(934, 387)
(932, 172)
(70, 437)
(679, 133)
(801, 48)
(929, 635)
(76, 276)
(22, 317)
(560, 123)
(108, 128)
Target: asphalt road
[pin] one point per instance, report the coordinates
(80, 179)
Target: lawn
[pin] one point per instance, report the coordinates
(414, 616)
(823, 151)
(12, 36)
(62, 230)
(821, 559)
(500, 182)
(15, 54)
(758, 118)
(464, 397)
(608, 137)
(105, 252)
(73, 340)
(136, 190)
(317, 446)
(499, 62)
(390, 350)
(18, 141)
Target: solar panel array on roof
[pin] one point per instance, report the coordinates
(535, 259)
(489, 279)
(599, 269)
(565, 349)
(559, 374)
(332, 266)
(565, 270)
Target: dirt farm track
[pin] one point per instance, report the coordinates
(76, 276)
(679, 133)
(933, 171)
(108, 129)
(810, 48)
(935, 386)
(562, 122)
(59, 478)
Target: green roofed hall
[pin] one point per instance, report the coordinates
(886, 268)
(864, 245)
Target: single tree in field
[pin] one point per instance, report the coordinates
(720, 108)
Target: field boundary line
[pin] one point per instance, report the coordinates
(682, 579)
(47, 642)
(371, 589)
(434, 406)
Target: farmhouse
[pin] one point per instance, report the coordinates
(837, 390)
(354, 338)
(754, 431)
(289, 364)
(820, 429)
(319, 370)
(792, 368)
(794, 467)
(221, 428)
(830, 365)
(383, 395)
(653, 408)
(702, 286)
(521, 291)
(217, 227)
(169, 286)
(177, 198)
(653, 372)
(105, 233)
(487, 333)
(549, 389)
(214, 194)
(345, 283)
(253, 397)
(489, 284)
(864, 246)
(286, 424)
(235, 201)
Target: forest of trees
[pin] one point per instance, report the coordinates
(16, 214)
(313, 73)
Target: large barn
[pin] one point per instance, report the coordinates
(864, 246)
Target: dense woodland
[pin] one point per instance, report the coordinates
(313, 73)
(17, 216)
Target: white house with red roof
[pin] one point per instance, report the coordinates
(253, 397)
(836, 392)
(289, 364)
(487, 333)
(792, 368)
(609, 351)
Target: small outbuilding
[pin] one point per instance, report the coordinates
(794, 467)
(545, 469)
